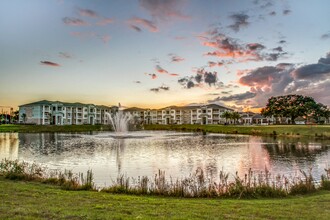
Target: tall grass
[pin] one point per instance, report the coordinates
(252, 185)
(16, 170)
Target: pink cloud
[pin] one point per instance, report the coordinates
(74, 22)
(49, 63)
(145, 23)
(174, 74)
(214, 64)
(161, 70)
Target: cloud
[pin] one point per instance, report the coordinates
(160, 88)
(282, 42)
(175, 58)
(273, 13)
(325, 60)
(152, 75)
(279, 49)
(325, 36)
(151, 26)
(83, 35)
(215, 64)
(105, 38)
(74, 21)
(201, 78)
(161, 70)
(87, 13)
(255, 46)
(49, 63)
(65, 55)
(137, 82)
(240, 20)
(105, 21)
(286, 11)
(285, 78)
(164, 9)
(136, 28)
(313, 71)
(236, 97)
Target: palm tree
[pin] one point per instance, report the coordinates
(235, 116)
(226, 115)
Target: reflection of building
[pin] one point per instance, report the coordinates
(205, 114)
(9, 146)
(63, 113)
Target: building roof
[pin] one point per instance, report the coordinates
(47, 102)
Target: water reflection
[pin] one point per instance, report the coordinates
(178, 154)
(8, 146)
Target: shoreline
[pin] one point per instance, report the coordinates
(295, 131)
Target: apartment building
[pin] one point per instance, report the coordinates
(203, 114)
(63, 113)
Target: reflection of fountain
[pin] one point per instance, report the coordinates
(120, 120)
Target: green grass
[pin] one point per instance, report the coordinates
(31, 200)
(53, 128)
(279, 130)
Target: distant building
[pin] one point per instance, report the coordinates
(203, 114)
(63, 113)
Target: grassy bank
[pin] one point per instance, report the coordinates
(31, 200)
(278, 130)
(53, 128)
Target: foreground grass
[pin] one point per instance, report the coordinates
(53, 128)
(30, 200)
(279, 130)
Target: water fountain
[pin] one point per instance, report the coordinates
(119, 121)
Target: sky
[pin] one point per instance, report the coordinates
(158, 53)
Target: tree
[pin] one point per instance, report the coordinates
(235, 116)
(226, 115)
(293, 106)
(24, 117)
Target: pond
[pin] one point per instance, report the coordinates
(178, 154)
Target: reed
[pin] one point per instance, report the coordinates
(252, 185)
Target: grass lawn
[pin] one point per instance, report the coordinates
(280, 130)
(53, 128)
(30, 200)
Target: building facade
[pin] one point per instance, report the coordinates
(62, 113)
(204, 114)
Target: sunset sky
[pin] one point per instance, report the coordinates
(156, 53)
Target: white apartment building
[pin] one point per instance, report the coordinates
(204, 114)
(62, 113)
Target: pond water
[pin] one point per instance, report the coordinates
(178, 154)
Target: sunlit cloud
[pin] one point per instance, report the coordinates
(151, 26)
(49, 63)
(161, 70)
(74, 21)
(229, 48)
(152, 75)
(215, 64)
